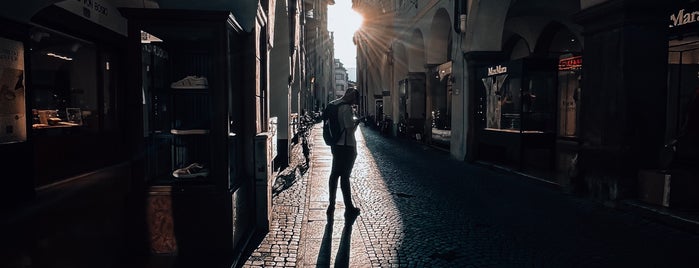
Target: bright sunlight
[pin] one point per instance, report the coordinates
(343, 21)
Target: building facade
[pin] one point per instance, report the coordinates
(319, 56)
(341, 80)
(127, 120)
(548, 89)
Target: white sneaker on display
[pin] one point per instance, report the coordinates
(192, 171)
(189, 131)
(191, 82)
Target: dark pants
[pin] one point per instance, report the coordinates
(343, 161)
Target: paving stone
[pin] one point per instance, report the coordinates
(422, 208)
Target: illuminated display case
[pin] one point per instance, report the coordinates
(569, 77)
(186, 75)
(189, 81)
(516, 109)
(65, 81)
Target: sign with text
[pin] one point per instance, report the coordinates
(97, 11)
(496, 70)
(683, 17)
(571, 63)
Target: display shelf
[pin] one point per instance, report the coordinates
(189, 131)
(182, 126)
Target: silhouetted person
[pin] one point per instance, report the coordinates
(344, 153)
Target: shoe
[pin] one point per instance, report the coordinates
(189, 131)
(192, 171)
(191, 82)
(351, 212)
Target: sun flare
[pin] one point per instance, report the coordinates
(344, 20)
(353, 20)
(344, 23)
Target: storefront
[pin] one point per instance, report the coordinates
(682, 127)
(515, 113)
(185, 68)
(569, 101)
(64, 128)
(412, 106)
(65, 86)
(441, 105)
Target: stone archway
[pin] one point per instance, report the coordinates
(557, 39)
(416, 52)
(412, 85)
(485, 21)
(440, 37)
(438, 79)
(516, 47)
(401, 67)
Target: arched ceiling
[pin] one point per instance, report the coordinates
(545, 8)
(437, 45)
(490, 21)
(416, 52)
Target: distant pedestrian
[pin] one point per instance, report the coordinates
(344, 152)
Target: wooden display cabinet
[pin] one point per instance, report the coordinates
(186, 70)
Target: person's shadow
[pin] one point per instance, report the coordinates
(326, 244)
(343, 252)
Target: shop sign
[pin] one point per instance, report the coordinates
(97, 11)
(683, 17)
(497, 70)
(572, 63)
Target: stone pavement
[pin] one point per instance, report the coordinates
(301, 234)
(422, 208)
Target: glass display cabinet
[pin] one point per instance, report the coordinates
(516, 111)
(186, 60)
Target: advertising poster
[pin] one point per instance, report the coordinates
(13, 122)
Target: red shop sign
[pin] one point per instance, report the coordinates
(572, 63)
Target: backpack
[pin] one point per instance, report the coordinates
(332, 130)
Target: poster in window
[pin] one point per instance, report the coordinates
(13, 123)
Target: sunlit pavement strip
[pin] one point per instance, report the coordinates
(335, 243)
(301, 235)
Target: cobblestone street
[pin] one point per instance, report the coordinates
(422, 208)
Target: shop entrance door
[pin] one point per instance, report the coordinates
(682, 121)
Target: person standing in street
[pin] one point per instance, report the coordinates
(344, 153)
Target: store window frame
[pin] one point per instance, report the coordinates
(679, 97)
(62, 153)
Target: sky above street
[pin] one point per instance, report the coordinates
(343, 21)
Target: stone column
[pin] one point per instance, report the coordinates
(623, 94)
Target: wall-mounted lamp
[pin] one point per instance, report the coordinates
(59, 56)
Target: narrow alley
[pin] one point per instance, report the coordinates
(421, 208)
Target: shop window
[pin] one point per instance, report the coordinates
(569, 77)
(73, 98)
(683, 87)
(64, 81)
(518, 97)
